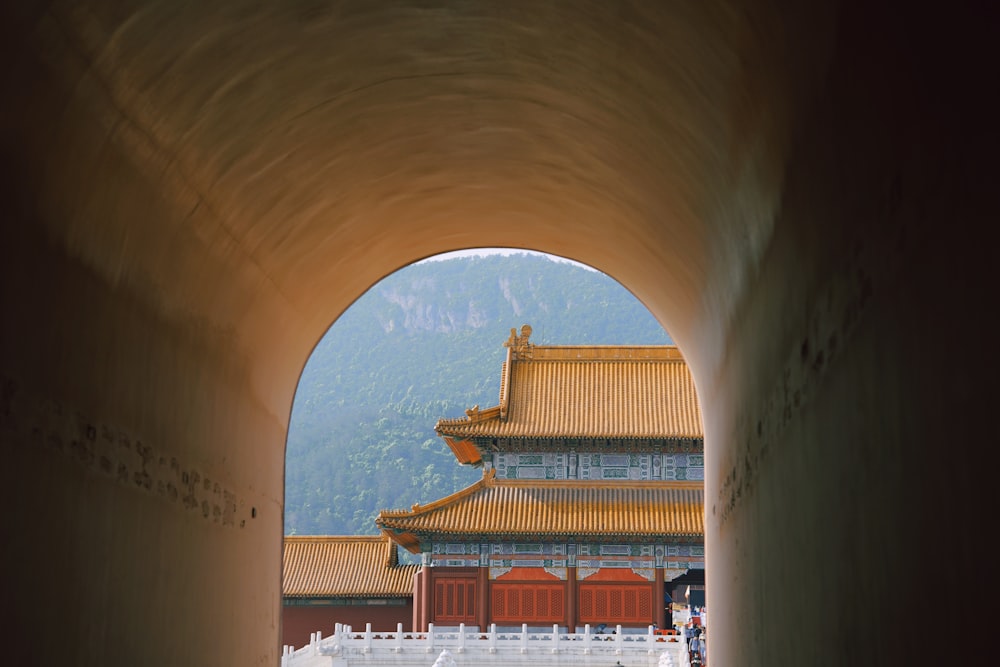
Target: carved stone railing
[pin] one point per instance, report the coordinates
(470, 647)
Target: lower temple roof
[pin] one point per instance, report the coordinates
(335, 566)
(566, 509)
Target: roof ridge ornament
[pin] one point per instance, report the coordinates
(489, 477)
(520, 346)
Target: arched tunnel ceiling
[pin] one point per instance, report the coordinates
(310, 137)
(193, 191)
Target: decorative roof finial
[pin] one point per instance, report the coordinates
(520, 345)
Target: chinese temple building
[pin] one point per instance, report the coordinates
(353, 580)
(591, 504)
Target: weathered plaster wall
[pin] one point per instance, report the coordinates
(192, 193)
(856, 376)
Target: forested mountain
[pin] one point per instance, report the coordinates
(424, 344)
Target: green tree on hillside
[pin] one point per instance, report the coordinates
(424, 344)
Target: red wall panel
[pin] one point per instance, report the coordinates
(626, 604)
(533, 603)
(455, 600)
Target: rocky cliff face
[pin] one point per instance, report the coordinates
(422, 344)
(486, 292)
(418, 309)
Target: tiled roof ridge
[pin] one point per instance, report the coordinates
(391, 558)
(419, 509)
(595, 484)
(629, 346)
(521, 351)
(335, 538)
(344, 566)
(603, 353)
(472, 415)
(559, 508)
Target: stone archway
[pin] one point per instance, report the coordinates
(191, 195)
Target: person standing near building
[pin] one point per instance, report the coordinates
(694, 651)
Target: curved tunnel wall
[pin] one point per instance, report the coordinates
(192, 195)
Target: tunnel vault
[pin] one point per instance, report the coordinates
(193, 192)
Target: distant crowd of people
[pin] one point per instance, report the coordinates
(697, 646)
(696, 635)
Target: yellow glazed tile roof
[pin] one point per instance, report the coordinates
(625, 392)
(572, 508)
(344, 566)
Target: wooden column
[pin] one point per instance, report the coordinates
(417, 597)
(426, 598)
(483, 598)
(660, 617)
(571, 599)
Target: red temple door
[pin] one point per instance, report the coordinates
(534, 603)
(611, 603)
(455, 600)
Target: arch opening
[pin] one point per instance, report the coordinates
(423, 345)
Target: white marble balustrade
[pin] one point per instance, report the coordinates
(471, 647)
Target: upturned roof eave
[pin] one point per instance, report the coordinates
(419, 509)
(473, 415)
